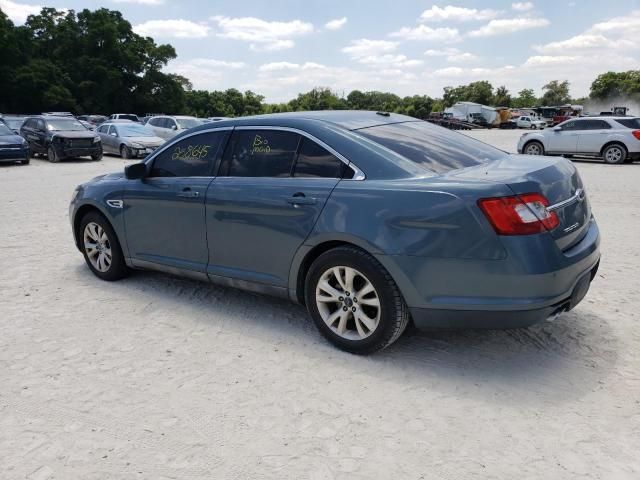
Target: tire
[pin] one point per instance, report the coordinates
(105, 259)
(52, 156)
(383, 307)
(97, 157)
(533, 127)
(25, 161)
(614, 154)
(125, 153)
(533, 148)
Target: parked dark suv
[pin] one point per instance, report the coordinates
(60, 137)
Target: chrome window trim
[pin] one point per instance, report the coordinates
(357, 175)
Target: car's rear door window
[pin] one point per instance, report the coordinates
(260, 153)
(193, 156)
(315, 161)
(434, 148)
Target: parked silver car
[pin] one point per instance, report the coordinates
(168, 127)
(128, 139)
(615, 139)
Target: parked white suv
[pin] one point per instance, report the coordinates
(169, 126)
(525, 121)
(615, 139)
(124, 116)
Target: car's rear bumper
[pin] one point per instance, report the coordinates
(534, 282)
(446, 319)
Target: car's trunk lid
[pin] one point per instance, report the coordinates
(554, 177)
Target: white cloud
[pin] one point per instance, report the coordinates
(263, 35)
(336, 24)
(365, 47)
(18, 12)
(522, 6)
(141, 2)
(171, 29)
(445, 52)
(423, 32)
(390, 60)
(504, 26)
(460, 14)
(462, 57)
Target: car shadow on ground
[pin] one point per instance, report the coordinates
(564, 358)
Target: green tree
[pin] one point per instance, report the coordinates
(478, 92)
(617, 85)
(320, 98)
(526, 98)
(556, 93)
(502, 98)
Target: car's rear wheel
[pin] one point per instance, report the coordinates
(614, 154)
(534, 148)
(125, 153)
(354, 302)
(101, 248)
(52, 156)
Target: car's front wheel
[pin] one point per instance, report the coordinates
(354, 302)
(533, 148)
(97, 157)
(52, 156)
(533, 127)
(125, 153)
(101, 248)
(614, 154)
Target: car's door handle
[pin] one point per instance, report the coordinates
(301, 199)
(188, 193)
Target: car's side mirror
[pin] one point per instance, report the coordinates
(174, 127)
(113, 134)
(137, 171)
(557, 129)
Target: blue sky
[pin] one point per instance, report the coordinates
(280, 48)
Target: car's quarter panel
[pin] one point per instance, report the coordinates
(255, 226)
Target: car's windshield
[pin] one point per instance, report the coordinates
(188, 122)
(134, 130)
(4, 130)
(133, 118)
(15, 124)
(434, 148)
(629, 122)
(65, 125)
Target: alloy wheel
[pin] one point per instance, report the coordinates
(98, 247)
(613, 155)
(533, 149)
(348, 303)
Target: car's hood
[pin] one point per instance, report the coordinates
(11, 140)
(73, 134)
(107, 177)
(146, 141)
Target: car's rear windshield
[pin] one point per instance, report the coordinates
(629, 122)
(65, 125)
(133, 118)
(14, 123)
(434, 148)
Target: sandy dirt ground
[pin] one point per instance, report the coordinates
(156, 377)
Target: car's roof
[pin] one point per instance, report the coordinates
(346, 119)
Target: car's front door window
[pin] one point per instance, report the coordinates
(193, 156)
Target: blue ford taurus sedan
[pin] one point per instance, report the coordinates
(370, 219)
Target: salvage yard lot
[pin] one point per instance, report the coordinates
(159, 377)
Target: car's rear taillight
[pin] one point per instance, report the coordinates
(519, 214)
(636, 133)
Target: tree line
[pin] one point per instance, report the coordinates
(93, 62)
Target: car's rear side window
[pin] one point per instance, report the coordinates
(315, 161)
(193, 156)
(629, 122)
(260, 153)
(434, 148)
